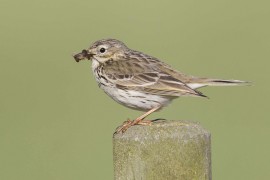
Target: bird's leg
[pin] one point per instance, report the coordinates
(138, 120)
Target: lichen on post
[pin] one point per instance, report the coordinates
(165, 150)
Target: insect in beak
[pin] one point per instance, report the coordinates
(85, 54)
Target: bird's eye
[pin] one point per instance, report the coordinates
(102, 50)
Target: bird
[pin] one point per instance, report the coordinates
(140, 81)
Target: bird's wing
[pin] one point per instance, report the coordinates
(147, 77)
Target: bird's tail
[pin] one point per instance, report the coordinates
(201, 82)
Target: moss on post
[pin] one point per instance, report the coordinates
(165, 150)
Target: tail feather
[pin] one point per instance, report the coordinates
(215, 82)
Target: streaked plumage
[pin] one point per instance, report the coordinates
(140, 81)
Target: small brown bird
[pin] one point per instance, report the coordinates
(139, 81)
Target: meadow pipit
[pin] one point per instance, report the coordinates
(139, 81)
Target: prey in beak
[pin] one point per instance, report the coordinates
(82, 55)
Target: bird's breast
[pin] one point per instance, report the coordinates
(130, 98)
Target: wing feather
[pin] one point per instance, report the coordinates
(146, 76)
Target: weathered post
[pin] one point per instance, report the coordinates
(166, 150)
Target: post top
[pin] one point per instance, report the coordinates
(163, 129)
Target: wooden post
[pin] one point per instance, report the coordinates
(165, 150)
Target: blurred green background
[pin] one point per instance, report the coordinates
(55, 123)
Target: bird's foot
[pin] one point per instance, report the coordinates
(127, 124)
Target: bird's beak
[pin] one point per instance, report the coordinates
(85, 54)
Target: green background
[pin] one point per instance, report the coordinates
(55, 123)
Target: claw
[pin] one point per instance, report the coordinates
(127, 124)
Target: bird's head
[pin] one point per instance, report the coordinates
(102, 51)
